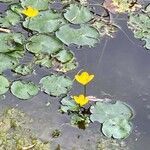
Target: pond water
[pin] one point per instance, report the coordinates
(122, 70)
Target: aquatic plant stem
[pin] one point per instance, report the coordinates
(85, 90)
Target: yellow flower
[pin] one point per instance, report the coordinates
(84, 78)
(30, 12)
(81, 100)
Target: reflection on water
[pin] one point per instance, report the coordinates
(123, 72)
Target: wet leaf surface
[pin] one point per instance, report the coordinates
(56, 85)
(24, 90)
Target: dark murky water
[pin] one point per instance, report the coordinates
(122, 69)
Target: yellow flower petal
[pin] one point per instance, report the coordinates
(84, 78)
(81, 100)
(30, 12)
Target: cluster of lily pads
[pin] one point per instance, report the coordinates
(46, 35)
(114, 116)
(36, 27)
(139, 24)
(54, 85)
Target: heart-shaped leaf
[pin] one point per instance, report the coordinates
(56, 85)
(43, 44)
(45, 22)
(85, 35)
(4, 85)
(102, 111)
(38, 4)
(24, 90)
(78, 14)
(117, 128)
(68, 104)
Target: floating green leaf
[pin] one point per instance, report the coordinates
(139, 23)
(78, 14)
(38, 4)
(24, 90)
(104, 111)
(43, 60)
(11, 50)
(45, 22)
(56, 85)
(117, 128)
(85, 35)
(64, 56)
(68, 104)
(82, 121)
(43, 44)
(23, 69)
(6, 1)
(10, 42)
(10, 19)
(65, 67)
(62, 61)
(4, 85)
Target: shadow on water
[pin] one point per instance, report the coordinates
(121, 69)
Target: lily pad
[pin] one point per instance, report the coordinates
(85, 35)
(43, 44)
(45, 22)
(82, 121)
(117, 128)
(78, 14)
(139, 23)
(4, 85)
(24, 90)
(65, 67)
(10, 42)
(38, 4)
(7, 62)
(23, 69)
(102, 111)
(10, 19)
(56, 85)
(11, 50)
(43, 60)
(6, 1)
(68, 104)
(64, 56)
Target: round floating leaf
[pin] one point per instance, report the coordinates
(4, 85)
(24, 90)
(43, 44)
(68, 104)
(43, 60)
(65, 67)
(38, 4)
(11, 50)
(64, 56)
(46, 21)
(117, 128)
(7, 62)
(104, 111)
(56, 85)
(85, 35)
(78, 14)
(10, 42)
(23, 69)
(10, 19)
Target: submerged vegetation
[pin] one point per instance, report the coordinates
(14, 134)
(37, 28)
